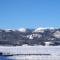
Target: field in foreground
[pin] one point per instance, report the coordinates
(34, 57)
(54, 52)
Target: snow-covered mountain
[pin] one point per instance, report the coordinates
(36, 36)
(22, 29)
(39, 30)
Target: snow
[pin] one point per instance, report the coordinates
(53, 50)
(34, 35)
(31, 57)
(47, 43)
(30, 36)
(57, 34)
(37, 35)
(8, 30)
(39, 30)
(22, 30)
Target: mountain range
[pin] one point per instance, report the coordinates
(38, 36)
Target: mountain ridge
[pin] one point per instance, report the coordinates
(36, 36)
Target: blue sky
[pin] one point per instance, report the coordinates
(29, 13)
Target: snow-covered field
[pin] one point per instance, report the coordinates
(54, 52)
(35, 57)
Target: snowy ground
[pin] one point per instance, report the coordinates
(54, 52)
(35, 57)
